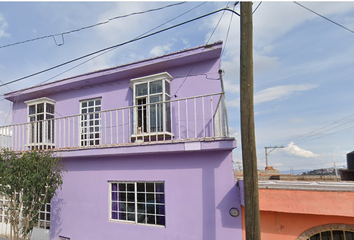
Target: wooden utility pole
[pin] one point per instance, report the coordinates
(249, 154)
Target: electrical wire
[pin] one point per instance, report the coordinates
(87, 27)
(118, 45)
(257, 7)
(175, 95)
(311, 134)
(114, 48)
(228, 31)
(325, 17)
(17, 96)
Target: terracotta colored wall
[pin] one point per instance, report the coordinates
(289, 226)
(307, 202)
(286, 214)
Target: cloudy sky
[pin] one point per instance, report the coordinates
(303, 63)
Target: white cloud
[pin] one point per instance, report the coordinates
(233, 132)
(160, 50)
(281, 92)
(3, 26)
(293, 149)
(275, 93)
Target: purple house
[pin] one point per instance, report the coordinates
(145, 145)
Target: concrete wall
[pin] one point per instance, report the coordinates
(199, 191)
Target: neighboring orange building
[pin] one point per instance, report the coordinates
(302, 210)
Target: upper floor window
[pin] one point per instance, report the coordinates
(41, 116)
(151, 112)
(90, 133)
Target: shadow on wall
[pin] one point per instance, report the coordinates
(55, 220)
(230, 200)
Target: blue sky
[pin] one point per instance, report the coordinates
(303, 64)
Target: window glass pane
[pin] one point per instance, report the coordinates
(141, 187)
(32, 119)
(156, 98)
(160, 198)
(40, 117)
(50, 108)
(91, 103)
(150, 219)
(131, 197)
(141, 218)
(349, 235)
(167, 88)
(122, 196)
(141, 197)
(131, 207)
(49, 116)
(141, 89)
(40, 107)
(98, 102)
(131, 217)
(114, 196)
(83, 104)
(338, 235)
(160, 187)
(156, 87)
(326, 235)
(32, 109)
(130, 187)
(160, 220)
(316, 237)
(150, 187)
(122, 187)
(114, 215)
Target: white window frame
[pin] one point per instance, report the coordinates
(141, 215)
(87, 120)
(166, 78)
(48, 141)
(44, 217)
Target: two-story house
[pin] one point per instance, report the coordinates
(145, 146)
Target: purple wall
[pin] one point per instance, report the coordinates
(203, 80)
(199, 191)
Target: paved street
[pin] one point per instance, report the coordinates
(3, 238)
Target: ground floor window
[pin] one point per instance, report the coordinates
(332, 231)
(138, 202)
(333, 235)
(44, 217)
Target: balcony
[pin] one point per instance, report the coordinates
(199, 118)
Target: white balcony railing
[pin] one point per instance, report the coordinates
(195, 118)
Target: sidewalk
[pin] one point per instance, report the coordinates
(3, 238)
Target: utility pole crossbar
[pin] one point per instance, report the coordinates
(266, 153)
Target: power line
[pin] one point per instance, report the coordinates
(257, 7)
(201, 52)
(90, 26)
(118, 45)
(113, 48)
(228, 31)
(315, 132)
(325, 18)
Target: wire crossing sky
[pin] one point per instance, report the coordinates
(303, 62)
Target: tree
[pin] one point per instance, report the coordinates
(29, 181)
